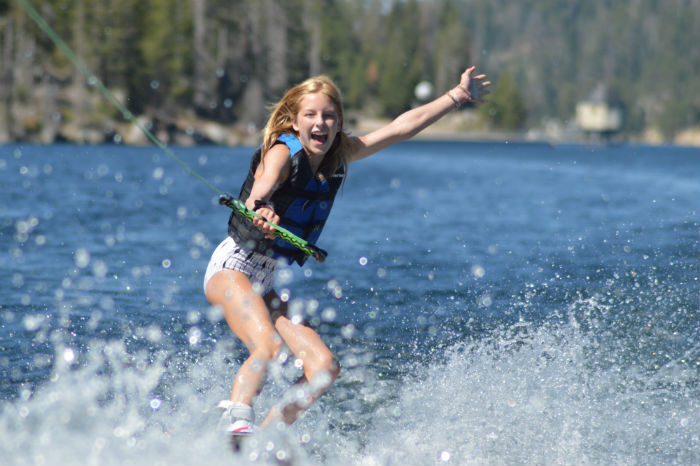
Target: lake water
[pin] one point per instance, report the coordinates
(490, 303)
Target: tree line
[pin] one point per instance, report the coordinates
(225, 60)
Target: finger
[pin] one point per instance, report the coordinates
(269, 215)
(267, 230)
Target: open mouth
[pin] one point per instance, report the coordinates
(319, 138)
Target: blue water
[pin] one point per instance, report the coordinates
(496, 304)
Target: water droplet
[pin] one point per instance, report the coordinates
(194, 335)
(214, 314)
(486, 300)
(200, 240)
(193, 316)
(17, 280)
(82, 258)
(153, 333)
(335, 288)
(285, 295)
(107, 303)
(68, 355)
(347, 331)
(99, 268)
(478, 271)
(32, 322)
(285, 276)
(328, 314)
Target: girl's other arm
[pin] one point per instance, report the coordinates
(410, 123)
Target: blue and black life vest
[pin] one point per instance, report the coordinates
(303, 203)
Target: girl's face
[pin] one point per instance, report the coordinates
(317, 123)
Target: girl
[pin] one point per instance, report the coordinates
(292, 182)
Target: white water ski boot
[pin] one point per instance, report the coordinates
(237, 420)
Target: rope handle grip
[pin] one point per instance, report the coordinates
(300, 243)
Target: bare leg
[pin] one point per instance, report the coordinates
(251, 318)
(248, 317)
(320, 367)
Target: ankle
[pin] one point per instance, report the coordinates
(235, 410)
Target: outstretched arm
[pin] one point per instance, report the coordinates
(412, 122)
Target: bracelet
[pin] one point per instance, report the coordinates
(454, 99)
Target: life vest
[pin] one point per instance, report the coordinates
(303, 203)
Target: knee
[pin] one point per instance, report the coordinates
(326, 371)
(267, 348)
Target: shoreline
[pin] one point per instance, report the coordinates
(465, 127)
(455, 138)
(458, 127)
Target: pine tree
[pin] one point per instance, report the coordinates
(505, 108)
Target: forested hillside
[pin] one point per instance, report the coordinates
(175, 62)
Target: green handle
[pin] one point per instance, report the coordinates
(300, 243)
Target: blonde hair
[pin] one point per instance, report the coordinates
(285, 111)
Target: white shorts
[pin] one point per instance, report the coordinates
(259, 268)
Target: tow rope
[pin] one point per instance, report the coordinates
(224, 198)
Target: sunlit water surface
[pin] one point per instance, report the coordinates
(489, 303)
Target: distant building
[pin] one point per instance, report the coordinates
(597, 115)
